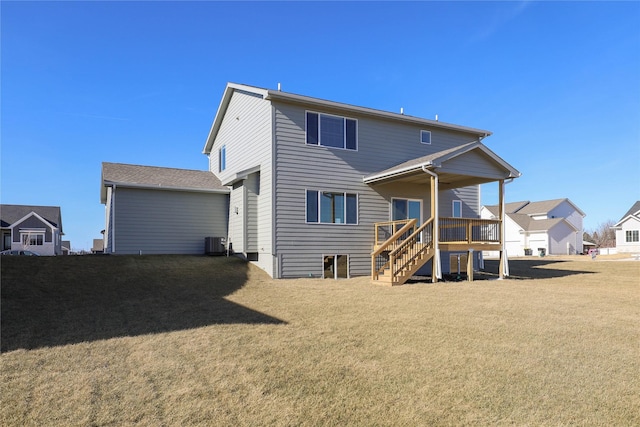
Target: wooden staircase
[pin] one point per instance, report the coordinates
(403, 254)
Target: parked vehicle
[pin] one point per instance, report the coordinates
(15, 252)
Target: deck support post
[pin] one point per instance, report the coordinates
(470, 265)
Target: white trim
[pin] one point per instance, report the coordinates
(164, 187)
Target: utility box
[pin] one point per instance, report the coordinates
(214, 245)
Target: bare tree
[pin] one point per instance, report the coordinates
(603, 235)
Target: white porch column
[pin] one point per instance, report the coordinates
(504, 262)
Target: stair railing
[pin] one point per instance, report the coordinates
(379, 257)
(411, 248)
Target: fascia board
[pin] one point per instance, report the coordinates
(300, 99)
(394, 174)
(625, 219)
(164, 187)
(222, 109)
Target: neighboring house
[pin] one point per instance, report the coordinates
(324, 189)
(34, 228)
(551, 227)
(628, 230)
(155, 210)
(98, 246)
(66, 247)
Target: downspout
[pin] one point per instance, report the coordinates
(436, 227)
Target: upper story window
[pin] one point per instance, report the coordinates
(222, 158)
(332, 131)
(425, 137)
(329, 207)
(632, 236)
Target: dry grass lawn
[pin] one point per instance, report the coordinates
(178, 341)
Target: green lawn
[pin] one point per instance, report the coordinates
(180, 340)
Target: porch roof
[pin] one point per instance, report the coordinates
(448, 165)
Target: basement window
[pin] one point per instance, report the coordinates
(335, 267)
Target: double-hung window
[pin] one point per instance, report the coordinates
(632, 236)
(330, 207)
(332, 131)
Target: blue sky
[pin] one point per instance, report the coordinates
(558, 84)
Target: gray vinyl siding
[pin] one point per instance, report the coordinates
(32, 222)
(167, 222)
(381, 144)
(246, 132)
(469, 196)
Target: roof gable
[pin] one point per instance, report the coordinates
(545, 206)
(634, 211)
(440, 158)
(33, 214)
(154, 177)
(9, 214)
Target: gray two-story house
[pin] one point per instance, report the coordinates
(325, 189)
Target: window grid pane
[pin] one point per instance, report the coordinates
(312, 128)
(312, 206)
(332, 131)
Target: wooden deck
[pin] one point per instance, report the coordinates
(402, 247)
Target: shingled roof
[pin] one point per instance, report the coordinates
(634, 209)
(12, 213)
(154, 177)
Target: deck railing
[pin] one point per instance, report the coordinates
(384, 230)
(469, 230)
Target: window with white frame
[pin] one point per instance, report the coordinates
(406, 209)
(456, 209)
(222, 158)
(632, 236)
(32, 239)
(335, 266)
(425, 137)
(331, 131)
(328, 207)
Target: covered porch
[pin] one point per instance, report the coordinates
(403, 247)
